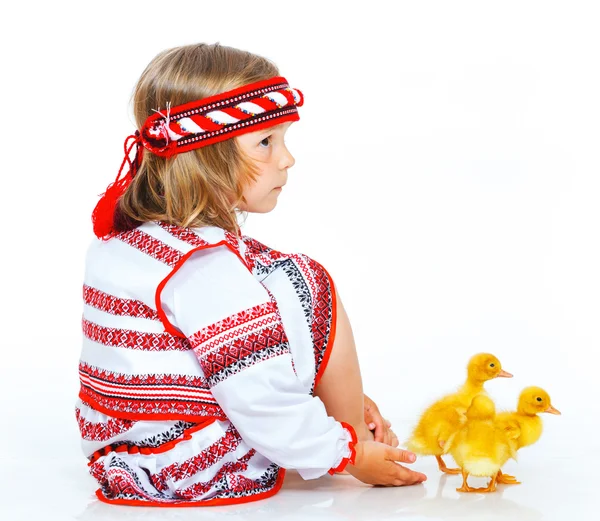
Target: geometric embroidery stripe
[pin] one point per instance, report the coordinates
(183, 234)
(322, 312)
(161, 441)
(142, 392)
(122, 482)
(156, 440)
(303, 265)
(152, 406)
(186, 235)
(242, 485)
(232, 240)
(102, 431)
(259, 252)
(240, 320)
(117, 306)
(151, 246)
(111, 377)
(129, 339)
(198, 489)
(243, 353)
(205, 459)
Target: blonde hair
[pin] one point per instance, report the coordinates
(203, 186)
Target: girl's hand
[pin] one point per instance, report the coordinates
(375, 464)
(374, 420)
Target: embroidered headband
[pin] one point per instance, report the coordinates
(197, 124)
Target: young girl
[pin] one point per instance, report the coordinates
(211, 362)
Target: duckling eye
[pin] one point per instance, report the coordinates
(538, 399)
(492, 365)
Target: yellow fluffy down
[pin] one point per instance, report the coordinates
(481, 447)
(436, 424)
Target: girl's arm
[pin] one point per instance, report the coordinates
(238, 336)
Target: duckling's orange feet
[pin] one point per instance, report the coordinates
(465, 487)
(443, 467)
(490, 488)
(506, 479)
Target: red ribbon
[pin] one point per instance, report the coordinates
(103, 214)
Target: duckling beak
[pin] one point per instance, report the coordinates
(504, 374)
(552, 410)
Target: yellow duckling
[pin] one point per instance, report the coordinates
(481, 446)
(446, 415)
(532, 401)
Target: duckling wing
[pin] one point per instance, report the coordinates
(434, 428)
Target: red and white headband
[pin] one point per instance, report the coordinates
(200, 123)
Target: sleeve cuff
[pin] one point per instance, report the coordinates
(349, 455)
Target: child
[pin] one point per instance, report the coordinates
(211, 362)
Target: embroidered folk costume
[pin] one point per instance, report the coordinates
(201, 348)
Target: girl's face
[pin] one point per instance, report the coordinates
(267, 148)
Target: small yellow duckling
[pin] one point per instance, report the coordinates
(446, 415)
(532, 401)
(481, 446)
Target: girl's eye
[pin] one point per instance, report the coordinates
(265, 139)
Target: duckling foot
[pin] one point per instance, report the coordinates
(443, 467)
(491, 486)
(506, 479)
(465, 487)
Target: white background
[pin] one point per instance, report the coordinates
(446, 176)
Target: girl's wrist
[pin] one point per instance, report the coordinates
(352, 467)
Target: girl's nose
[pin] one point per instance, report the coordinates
(287, 159)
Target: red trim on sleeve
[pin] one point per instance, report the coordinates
(351, 446)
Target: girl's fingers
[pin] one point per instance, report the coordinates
(379, 433)
(402, 455)
(409, 476)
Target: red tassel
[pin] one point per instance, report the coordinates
(103, 214)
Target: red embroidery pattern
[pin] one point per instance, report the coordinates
(154, 409)
(130, 339)
(236, 355)
(322, 310)
(239, 483)
(155, 395)
(152, 380)
(97, 470)
(151, 246)
(258, 252)
(207, 458)
(200, 488)
(319, 285)
(121, 483)
(117, 306)
(204, 340)
(232, 240)
(183, 234)
(102, 431)
(248, 336)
